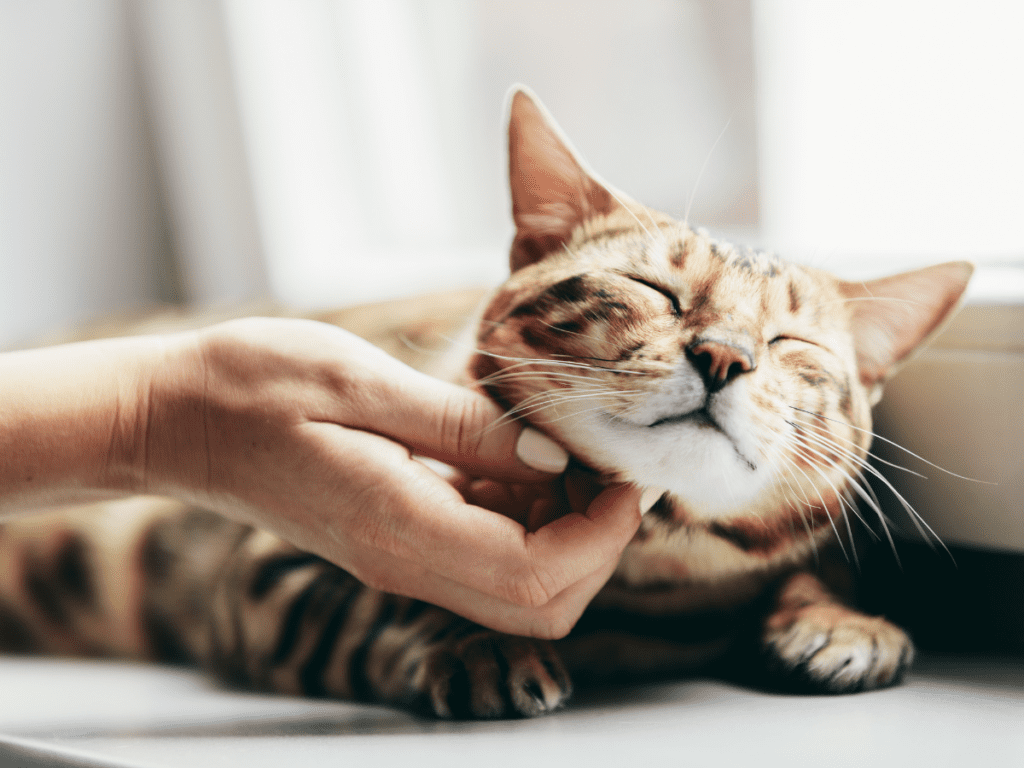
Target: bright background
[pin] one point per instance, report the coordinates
(334, 151)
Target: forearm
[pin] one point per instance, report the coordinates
(73, 420)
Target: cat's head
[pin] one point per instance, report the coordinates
(661, 356)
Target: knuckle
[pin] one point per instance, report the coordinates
(532, 589)
(464, 426)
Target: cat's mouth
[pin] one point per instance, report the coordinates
(698, 418)
(701, 418)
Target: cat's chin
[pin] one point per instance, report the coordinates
(703, 467)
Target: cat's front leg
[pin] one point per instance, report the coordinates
(813, 642)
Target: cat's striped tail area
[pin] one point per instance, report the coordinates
(264, 615)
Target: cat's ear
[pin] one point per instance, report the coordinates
(893, 316)
(552, 191)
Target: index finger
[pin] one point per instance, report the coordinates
(453, 424)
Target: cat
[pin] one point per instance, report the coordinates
(657, 355)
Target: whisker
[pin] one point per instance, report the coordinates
(824, 507)
(549, 361)
(700, 174)
(630, 212)
(807, 504)
(856, 445)
(839, 497)
(877, 436)
(852, 482)
(926, 532)
(864, 491)
(548, 399)
(513, 371)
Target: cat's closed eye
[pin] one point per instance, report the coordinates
(668, 294)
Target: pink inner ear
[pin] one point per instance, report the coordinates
(552, 192)
(892, 316)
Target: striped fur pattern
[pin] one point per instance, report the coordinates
(740, 384)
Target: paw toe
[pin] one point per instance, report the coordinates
(839, 654)
(490, 675)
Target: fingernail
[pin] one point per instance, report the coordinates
(540, 452)
(650, 497)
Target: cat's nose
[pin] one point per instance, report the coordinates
(720, 361)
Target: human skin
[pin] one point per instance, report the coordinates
(310, 432)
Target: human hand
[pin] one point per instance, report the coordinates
(308, 431)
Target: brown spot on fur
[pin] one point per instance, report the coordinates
(569, 291)
(607, 309)
(529, 309)
(156, 557)
(483, 366)
(608, 234)
(567, 326)
(799, 360)
(44, 590)
(534, 336)
(270, 572)
(16, 636)
(764, 538)
(73, 574)
(664, 509)
(165, 641)
(698, 312)
(678, 257)
(812, 377)
(845, 400)
(795, 301)
(628, 352)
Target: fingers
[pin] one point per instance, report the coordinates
(455, 425)
(397, 505)
(551, 621)
(412, 513)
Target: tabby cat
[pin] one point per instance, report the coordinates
(738, 382)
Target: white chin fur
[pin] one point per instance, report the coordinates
(713, 473)
(697, 464)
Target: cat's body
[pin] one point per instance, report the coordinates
(738, 383)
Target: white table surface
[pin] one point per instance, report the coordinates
(951, 711)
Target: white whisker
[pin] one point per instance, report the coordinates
(700, 174)
(824, 507)
(877, 436)
(630, 212)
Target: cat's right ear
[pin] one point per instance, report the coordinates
(552, 191)
(892, 317)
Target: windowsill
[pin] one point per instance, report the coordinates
(96, 713)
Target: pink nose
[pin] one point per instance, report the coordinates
(720, 361)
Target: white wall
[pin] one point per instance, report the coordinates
(80, 229)
(330, 151)
(891, 130)
(375, 134)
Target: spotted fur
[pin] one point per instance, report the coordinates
(739, 383)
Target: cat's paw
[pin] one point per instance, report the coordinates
(492, 675)
(828, 648)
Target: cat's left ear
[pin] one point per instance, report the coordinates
(552, 190)
(893, 316)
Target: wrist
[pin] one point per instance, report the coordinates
(164, 443)
(70, 420)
